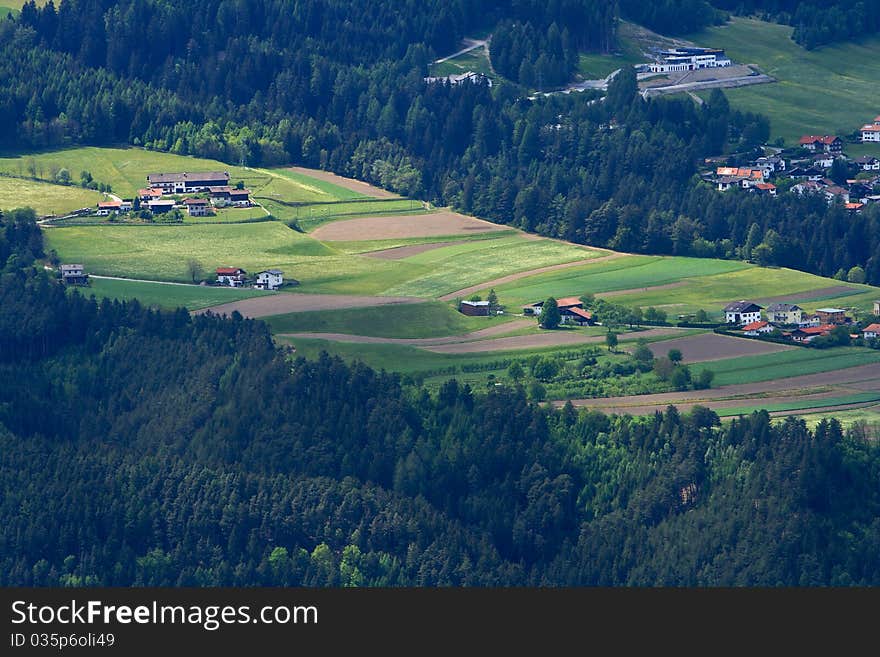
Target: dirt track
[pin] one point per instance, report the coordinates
(836, 290)
(403, 226)
(711, 346)
(538, 340)
(401, 252)
(278, 304)
(523, 274)
(346, 183)
(635, 290)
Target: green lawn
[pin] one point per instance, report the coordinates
(618, 274)
(423, 320)
(784, 364)
(593, 66)
(126, 170)
(460, 265)
(45, 198)
(830, 90)
(161, 251)
(476, 60)
(192, 297)
(227, 215)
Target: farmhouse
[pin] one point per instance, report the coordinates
(182, 183)
(742, 312)
(811, 333)
(871, 131)
(231, 276)
(571, 311)
(784, 313)
(832, 315)
(197, 207)
(74, 275)
(474, 308)
(106, 208)
(271, 279)
(871, 332)
(689, 59)
(768, 189)
(770, 165)
(756, 328)
(868, 163)
(160, 206)
(151, 194)
(826, 143)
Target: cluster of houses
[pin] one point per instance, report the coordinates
(460, 78)
(809, 172)
(269, 279)
(791, 321)
(212, 186)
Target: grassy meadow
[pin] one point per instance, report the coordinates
(832, 89)
(476, 60)
(45, 198)
(126, 170)
(162, 295)
(422, 320)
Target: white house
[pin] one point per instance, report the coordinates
(868, 163)
(871, 332)
(106, 208)
(871, 131)
(231, 276)
(742, 312)
(271, 279)
(197, 207)
(757, 328)
(784, 313)
(689, 59)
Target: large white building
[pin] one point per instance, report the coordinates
(689, 59)
(871, 131)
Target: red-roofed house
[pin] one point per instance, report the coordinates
(151, 194)
(765, 188)
(571, 311)
(231, 276)
(854, 207)
(812, 332)
(106, 208)
(827, 143)
(756, 328)
(871, 332)
(871, 132)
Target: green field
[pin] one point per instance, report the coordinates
(784, 364)
(869, 415)
(860, 398)
(191, 297)
(830, 90)
(309, 217)
(476, 60)
(623, 273)
(45, 198)
(126, 170)
(423, 320)
(368, 246)
(161, 251)
(458, 266)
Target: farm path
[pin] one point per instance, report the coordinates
(141, 280)
(523, 274)
(489, 332)
(470, 44)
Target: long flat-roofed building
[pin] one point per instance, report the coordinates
(182, 183)
(689, 59)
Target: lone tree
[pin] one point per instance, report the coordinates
(492, 298)
(611, 340)
(675, 355)
(550, 317)
(195, 270)
(515, 372)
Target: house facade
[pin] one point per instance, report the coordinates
(106, 208)
(871, 131)
(197, 207)
(160, 206)
(784, 313)
(757, 328)
(231, 276)
(74, 275)
(826, 143)
(689, 59)
(182, 183)
(271, 279)
(742, 312)
(831, 315)
(871, 332)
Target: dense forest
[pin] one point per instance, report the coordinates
(264, 82)
(155, 448)
(816, 22)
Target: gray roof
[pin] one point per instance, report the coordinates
(183, 177)
(65, 268)
(276, 272)
(782, 307)
(741, 307)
